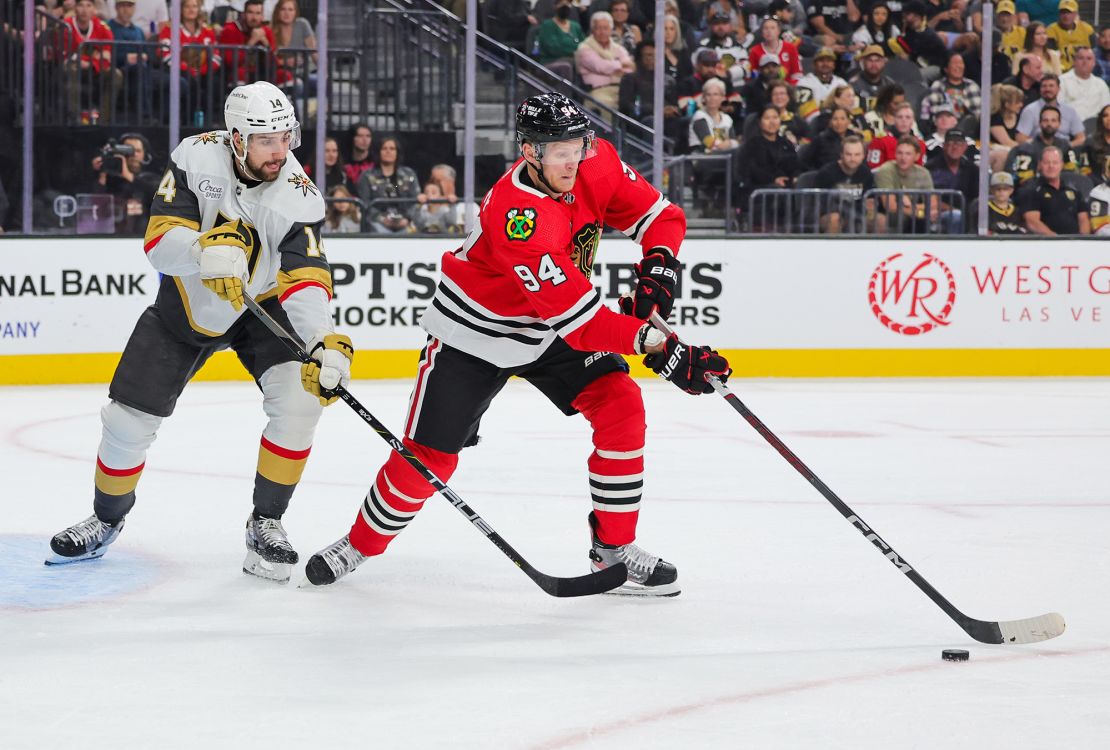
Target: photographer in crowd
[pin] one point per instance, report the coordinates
(119, 167)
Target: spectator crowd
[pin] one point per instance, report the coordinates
(852, 96)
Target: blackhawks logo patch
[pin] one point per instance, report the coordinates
(211, 137)
(302, 183)
(520, 223)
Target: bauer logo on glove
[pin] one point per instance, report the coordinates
(688, 367)
(330, 366)
(657, 277)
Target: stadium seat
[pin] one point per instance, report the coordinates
(902, 71)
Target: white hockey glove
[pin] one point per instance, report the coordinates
(332, 354)
(221, 253)
(649, 339)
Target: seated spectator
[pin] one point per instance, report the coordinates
(944, 17)
(1013, 34)
(1071, 126)
(791, 15)
(1069, 32)
(768, 158)
(731, 55)
(508, 22)
(1099, 200)
(870, 79)
(757, 92)
(132, 188)
(1098, 147)
(444, 177)
(814, 88)
(91, 80)
(297, 71)
(706, 66)
(334, 173)
(945, 121)
(545, 9)
(825, 147)
(961, 94)
(637, 92)
(675, 52)
(791, 126)
(830, 22)
(1102, 53)
(883, 149)
(249, 30)
(1022, 160)
(843, 97)
(907, 213)
(1048, 205)
(849, 175)
(1028, 78)
(601, 62)
(198, 88)
(1006, 105)
(731, 9)
(360, 158)
(433, 215)
(558, 38)
(1081, 89)
(627, 34)
(878, 28)
(1004, 217)
(918, 42)
(132, 61)
(148, 17)
(772, 44)
(952, 170)
(343, 215)
(1036, 44)
(388, 191)
(880, 117)
(711, 132)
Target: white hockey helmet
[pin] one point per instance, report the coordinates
(260, 108)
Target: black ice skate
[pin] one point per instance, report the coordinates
(333, 562)
(648, 575)
(87, 540)
(269, 554)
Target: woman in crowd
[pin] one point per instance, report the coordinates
(878, 28)
(343, 216)
(625, 33)
(558, 37)
(772, 43)
(334, 173)
(388, 191)
(1006, 104)
(296, 72)
(676, 59)
(1036, 43)
(767, 159)
(842, 97)
(825, 146)
(880, 119)
(197, 86)
(792, 127)
(1098, 148)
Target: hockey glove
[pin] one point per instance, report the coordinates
(332, 354)
(658, 275)
(222, 253)
(688, 366)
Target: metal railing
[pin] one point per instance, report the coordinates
(691, 183)
(816, 211)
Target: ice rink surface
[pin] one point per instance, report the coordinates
(791, 631)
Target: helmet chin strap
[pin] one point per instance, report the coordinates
(242, 160)
(537, 167)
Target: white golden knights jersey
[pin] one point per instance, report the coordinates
(1100, 210)
(521, 278)
(199, 190)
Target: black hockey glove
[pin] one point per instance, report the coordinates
(687, 366)
(658, 275)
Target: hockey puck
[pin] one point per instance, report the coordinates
(954, 654)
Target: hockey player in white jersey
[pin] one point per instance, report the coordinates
(234, 215)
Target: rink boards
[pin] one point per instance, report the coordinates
(790, 307)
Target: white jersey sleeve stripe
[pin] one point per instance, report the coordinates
(636, 231)
(620, 455)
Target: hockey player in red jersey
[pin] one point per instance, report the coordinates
(516, 299)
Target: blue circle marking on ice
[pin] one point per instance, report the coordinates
(26, 583)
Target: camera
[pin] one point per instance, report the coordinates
(108, 153)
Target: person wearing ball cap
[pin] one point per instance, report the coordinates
(1069, 32)
(1012, 34)
(756, 92)
(1004, 217)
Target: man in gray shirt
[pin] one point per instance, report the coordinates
(1071, 124)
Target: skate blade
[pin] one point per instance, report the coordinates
(646, 592)
(56, 559)
(278, 572)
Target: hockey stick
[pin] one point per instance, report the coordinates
(593, 583)
(1030, 630)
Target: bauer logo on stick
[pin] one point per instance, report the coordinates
(520, 224)
(912, 295)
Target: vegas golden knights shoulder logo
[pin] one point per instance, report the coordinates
(211, 137)
(302, 183)
(585, 248)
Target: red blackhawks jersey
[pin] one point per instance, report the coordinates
(522, 277)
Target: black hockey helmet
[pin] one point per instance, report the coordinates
(550, 118)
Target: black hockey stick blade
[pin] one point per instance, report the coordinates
(585, 585)
(1030, 630)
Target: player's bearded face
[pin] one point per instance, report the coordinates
(266, 154)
